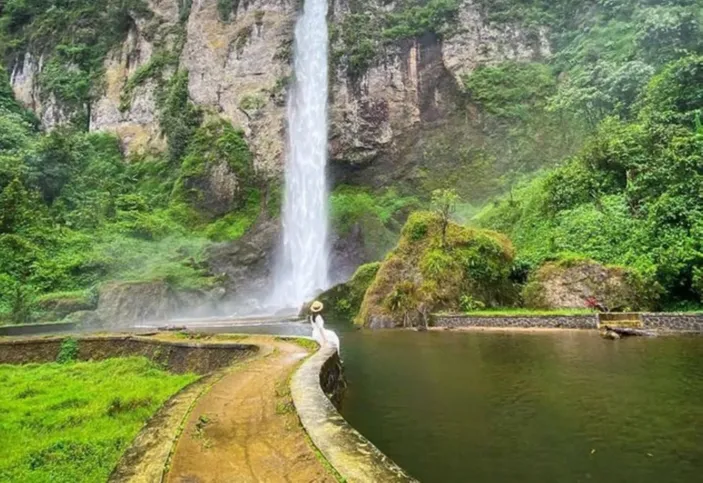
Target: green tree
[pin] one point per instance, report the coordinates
(444, 203)
(15, 208)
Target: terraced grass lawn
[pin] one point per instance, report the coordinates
(72, 422)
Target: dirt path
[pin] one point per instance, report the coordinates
(245, 428)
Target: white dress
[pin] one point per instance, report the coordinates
(321, 335)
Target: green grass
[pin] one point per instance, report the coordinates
(72, 422)
(307, 344)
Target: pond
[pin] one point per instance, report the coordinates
(529, 406)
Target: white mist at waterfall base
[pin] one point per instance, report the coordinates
(301, 269)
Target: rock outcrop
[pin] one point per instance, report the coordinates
(581, 283)
(379, 120)
(245, 265)
(137, 122)
(127, 303)
(25, 84)
(343, 301)
(240, 69)
(429, 272)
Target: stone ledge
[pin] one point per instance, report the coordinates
(36, 329)
(353, 456)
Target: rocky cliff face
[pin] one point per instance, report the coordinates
(238, 69)
(24, 79)
(237, 56)
(137, 125)
(410, 89)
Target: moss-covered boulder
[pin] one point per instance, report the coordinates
(423, 274)
(56, 306)
(342, 302)
(582, 283)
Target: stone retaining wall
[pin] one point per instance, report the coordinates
(179, 357)
(673, 321)
(678, 322)
(518, 321)
(354, 457)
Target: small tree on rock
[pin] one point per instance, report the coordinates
(444, 203)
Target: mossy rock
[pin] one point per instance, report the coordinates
(56, 306)
(424, 274)
(342, 302)
(217, 171)
(575, 283)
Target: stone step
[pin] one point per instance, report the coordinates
(624, 324)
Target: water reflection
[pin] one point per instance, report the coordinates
(502, 407)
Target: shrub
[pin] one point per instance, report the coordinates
(68, 352)
(343, 301)
(468, 304)
(377, 215)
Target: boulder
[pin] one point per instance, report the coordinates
(583, 283)
(126, 303)
(246, 264)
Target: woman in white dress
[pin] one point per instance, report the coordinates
(321, 335)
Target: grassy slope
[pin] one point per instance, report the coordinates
(71, 423)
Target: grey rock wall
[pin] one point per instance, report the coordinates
(551, 322)
(673, 321)
(239, 69)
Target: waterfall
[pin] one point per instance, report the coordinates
(301, 270)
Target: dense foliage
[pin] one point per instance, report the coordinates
(377, 216)
(71, 422)
(632, 196)
(73, 212)
(609, 115)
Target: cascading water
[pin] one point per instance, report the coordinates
(302, 267)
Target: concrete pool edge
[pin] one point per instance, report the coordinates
(353, 456)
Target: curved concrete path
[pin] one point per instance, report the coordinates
(245, 428)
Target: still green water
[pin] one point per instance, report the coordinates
(529, 407)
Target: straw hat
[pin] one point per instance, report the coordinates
(316, 307)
